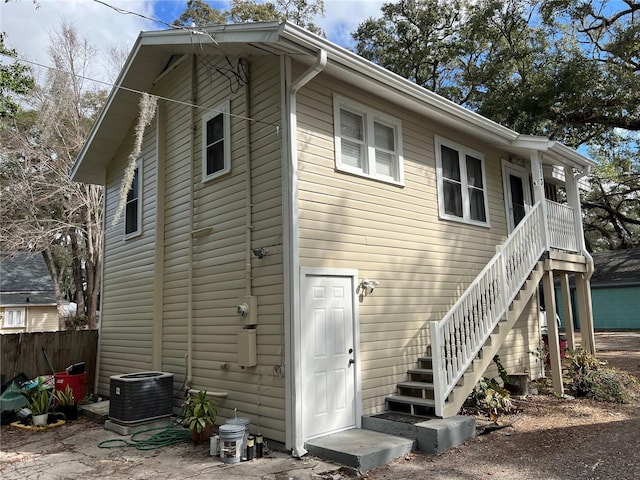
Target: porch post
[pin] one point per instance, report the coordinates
(567, 310)
(573, 200)
(583, 296)
(552, 333)
(537, 176)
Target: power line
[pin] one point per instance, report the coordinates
(140, 92)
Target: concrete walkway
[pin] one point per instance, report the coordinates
(71, 451)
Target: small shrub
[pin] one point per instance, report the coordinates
(489, 398)
(588, 377)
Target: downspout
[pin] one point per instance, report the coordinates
(583, 245)
(158, 281)
(291, 259)
(248, 191)
(102, 267)
(189, 355)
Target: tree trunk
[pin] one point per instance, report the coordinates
(57, 281)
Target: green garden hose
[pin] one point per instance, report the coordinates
(166, 436)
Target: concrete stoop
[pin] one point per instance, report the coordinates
(360, 449)
(432, 435)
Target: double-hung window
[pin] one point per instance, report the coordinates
(462, 186)
(13, 318)
(133, 207)
(216, 140)
(367, 142)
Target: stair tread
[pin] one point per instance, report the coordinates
(412, 400)
(423, 385)
(420, 370)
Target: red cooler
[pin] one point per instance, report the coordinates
(76, 382)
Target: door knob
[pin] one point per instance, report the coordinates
(351, 361)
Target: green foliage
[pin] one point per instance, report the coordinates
(15, 79)
(301, 12)
(490, 398)
(199, 411)
(39, 397)
(587, 377)
(64, 397)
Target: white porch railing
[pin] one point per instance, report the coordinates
(459, 336)
(561, 224)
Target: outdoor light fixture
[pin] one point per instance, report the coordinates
(260, 252)
(368, 286)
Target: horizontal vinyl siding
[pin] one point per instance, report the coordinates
(218, 277)
(126, 325)
(389, 233)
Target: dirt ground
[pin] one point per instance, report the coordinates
(548, 438)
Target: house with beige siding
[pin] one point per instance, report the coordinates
(311, 238)
(27, 294)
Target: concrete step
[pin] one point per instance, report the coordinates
(360, 449)
(431, 434)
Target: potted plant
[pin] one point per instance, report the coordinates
(66, 403)
(199, 416)
(40, 404)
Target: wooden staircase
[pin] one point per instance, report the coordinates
(416, 396)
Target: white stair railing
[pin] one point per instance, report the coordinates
(459, 336)
(561, 224)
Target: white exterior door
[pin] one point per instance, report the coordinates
(328, 355)
(517, 194)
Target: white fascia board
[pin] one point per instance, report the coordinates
(349, 61)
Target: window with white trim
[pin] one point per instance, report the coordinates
(367, 142)
(133, 207)
(216, 140)
(13, 318)
(462, 185)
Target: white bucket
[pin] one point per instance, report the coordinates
(231, 443)
(243, 422)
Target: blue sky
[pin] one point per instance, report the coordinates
(28, 28)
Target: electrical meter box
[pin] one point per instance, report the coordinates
(247, 348)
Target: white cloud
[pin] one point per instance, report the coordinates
(28, 26)
(343, 17)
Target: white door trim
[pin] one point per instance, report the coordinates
(508, 168)
(306, 272)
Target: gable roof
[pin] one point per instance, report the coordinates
(616, 267)
(25, 279)
(153, 51)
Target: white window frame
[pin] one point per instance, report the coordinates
(462, 154)
(224, 110)
(370, 117)
(14, 310)
(138, 230)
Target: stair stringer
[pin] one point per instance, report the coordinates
(480, 364)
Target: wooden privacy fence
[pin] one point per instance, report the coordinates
(23, 353)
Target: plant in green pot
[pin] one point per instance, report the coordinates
(66, 403)
(199, 416)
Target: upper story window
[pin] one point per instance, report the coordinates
(133, 207)
(13, 318)
(462, 185)
(216, 140)
(367, 142)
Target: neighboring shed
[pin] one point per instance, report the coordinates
(27, 294)
(615, 290)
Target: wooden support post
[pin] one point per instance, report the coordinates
(585, 311)
(567, 310)
(553, 334)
